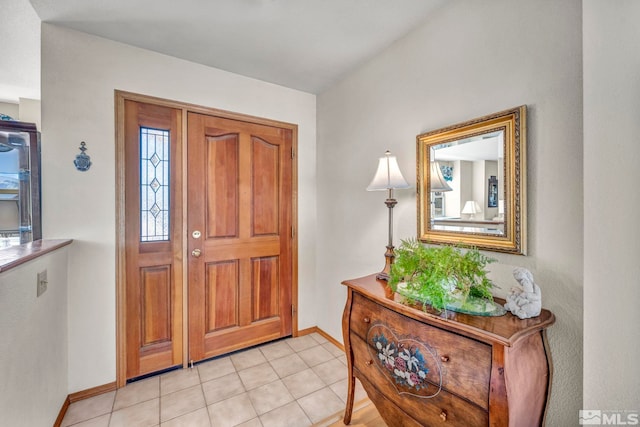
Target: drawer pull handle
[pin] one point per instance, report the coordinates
(443, 416)
(366, 320)
(369, 362)
(444, 359)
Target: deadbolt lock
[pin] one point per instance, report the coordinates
(196, 234)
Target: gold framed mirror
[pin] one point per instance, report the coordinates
(472, 183)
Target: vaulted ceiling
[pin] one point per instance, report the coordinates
(301, 44)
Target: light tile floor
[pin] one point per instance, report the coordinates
(293, 382)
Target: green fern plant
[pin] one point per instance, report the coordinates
(440, 275)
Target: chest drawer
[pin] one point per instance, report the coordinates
(434, 407)
(419, 359)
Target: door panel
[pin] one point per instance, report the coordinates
(153, 238)
(265, 188)
(222, 295)
(156, 304)
(222, 186)
(240, 200)
(266, 287)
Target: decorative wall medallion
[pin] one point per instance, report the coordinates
(82, 161)
(410, 365)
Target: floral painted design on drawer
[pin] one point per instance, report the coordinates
(410, 365)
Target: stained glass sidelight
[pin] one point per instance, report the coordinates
(154, 184)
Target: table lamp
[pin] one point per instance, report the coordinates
(388, 177)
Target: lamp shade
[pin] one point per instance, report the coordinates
(471, 207)
(388, 175)
(437, 182)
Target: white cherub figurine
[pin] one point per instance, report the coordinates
(524, 301)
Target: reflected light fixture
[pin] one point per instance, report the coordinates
(471, 208)
(388, 177)
(437, 182)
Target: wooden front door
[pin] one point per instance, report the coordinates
(206, 245)
(153, 238)
(239, 234)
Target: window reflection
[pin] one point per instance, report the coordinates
(18, 152)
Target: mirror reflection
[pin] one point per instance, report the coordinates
(19, 192)
(472, 183)
(473, 169)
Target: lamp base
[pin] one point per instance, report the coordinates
(382, 276)
(389, 256)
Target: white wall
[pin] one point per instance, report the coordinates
(466, 185)
(33, 333)
(20, 53)
(478, 187)
(10, 109)
(469, 59)
(79, 75)
(612, 176)
(30, 111)
(26, 110)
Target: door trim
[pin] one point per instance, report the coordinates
(120, 97)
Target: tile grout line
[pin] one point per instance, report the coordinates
(113, 405)
(247, 391)
(160, 400)
(204, 397)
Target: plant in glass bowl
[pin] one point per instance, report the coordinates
(445, 277)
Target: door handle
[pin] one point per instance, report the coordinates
(196, 253)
